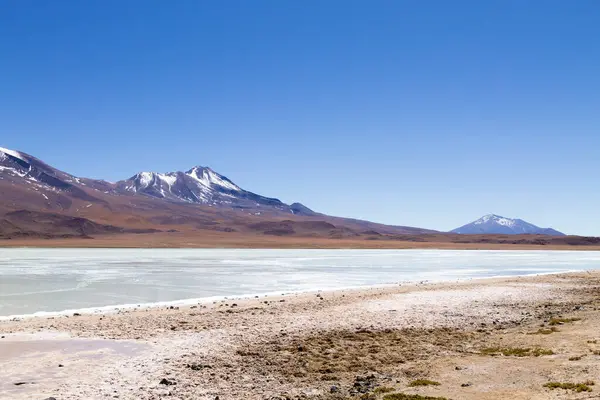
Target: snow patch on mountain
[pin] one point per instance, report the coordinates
(13, 171)
(169, 179)
(207, 177)
(496, 219)
(12, 153)
(146, 179)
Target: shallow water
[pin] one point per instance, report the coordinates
(53, 280)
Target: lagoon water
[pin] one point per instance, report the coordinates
(64, 280)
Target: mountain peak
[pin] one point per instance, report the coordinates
(200, 185)
(497, 219)
(496, 224)
(12, 153)
(209, 178)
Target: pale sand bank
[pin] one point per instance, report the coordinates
(300, 346)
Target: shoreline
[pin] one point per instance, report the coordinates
(142, 307)
(301, 346)
(210, 240)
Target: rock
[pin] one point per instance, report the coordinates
(334, 389)
(198, 367)
(50, 398)
(76, 314)
(363, 384)
(311, 393)
(165, 381)
(466, 385)
(60, 365)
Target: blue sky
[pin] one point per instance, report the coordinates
(424, 113)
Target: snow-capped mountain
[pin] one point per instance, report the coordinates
(199, 185)
(24, 170)
(39, 200)
(495, 224)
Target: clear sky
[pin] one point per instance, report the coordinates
(425, 113)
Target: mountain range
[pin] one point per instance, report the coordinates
(495, 224)
(37, 199)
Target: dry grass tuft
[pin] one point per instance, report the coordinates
(577, 387)
(516, 351)
(383, 389)
(403, 396)
(543, 331)
(332, 355)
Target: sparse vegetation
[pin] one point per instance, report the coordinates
(543, 331)
(423, 382)
(329, 356)
(403, 396)
(577, 387)
(592, 342)
(516, 351)
(383, 389)
(541, 352)
(559, 321)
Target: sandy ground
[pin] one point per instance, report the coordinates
(484, 339)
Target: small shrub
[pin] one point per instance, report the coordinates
(423, 382)
(560, 321)
(541, 352)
